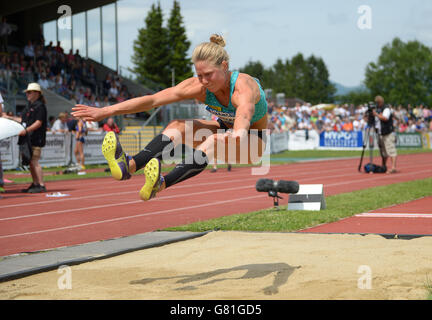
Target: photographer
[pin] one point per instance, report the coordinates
(387, 137)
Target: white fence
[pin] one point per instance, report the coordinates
(58, 150)
(59, 147)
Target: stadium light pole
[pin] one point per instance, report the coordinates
(86, 35)
(116, 36)
(101, 32)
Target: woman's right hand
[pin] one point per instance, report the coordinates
(88, 113)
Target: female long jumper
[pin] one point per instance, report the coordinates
(237, 99)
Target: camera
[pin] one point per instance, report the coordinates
(369, 113)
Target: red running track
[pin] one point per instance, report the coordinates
(100, 209)
(411, 218)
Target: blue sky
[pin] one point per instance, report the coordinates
(266, 30)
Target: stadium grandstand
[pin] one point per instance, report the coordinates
(41, 46)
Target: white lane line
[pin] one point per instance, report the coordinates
(177, 195)
(123, 203)
(128, 217)
(394, 215)
(227, 181)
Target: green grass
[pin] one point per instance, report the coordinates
(428, 287)
(319, 154)
(338, 207)
(283, 157)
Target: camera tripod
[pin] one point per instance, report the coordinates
(370, 134)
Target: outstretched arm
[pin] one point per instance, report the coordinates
(188, 89)
(244, 98)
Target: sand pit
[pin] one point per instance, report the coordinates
(242, 265)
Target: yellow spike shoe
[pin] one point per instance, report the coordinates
(118, 161)
(152, 175)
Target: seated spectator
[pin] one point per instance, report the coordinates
(304, 124)
(72, 87)
(347, 125)
(77, 56)
(411, 127)
(358, 123)
(420, 126)
(58, 81)
(70, 57)
(122, 96)
(113, 91)
(93, 101)
(337, 125)
(319, 124)
(51, 81)
(71, 122)
(51, 120)
(73, 99)
(399, 126)
(58, 48)
(43, 81)
(105, 102)
(93, 126)
(110, 125)
(80, 95)
(87, 93)
(29, 51)
(60, 125)
(107, 84)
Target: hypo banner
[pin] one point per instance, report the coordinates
(333, 139)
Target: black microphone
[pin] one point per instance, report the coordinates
(283, 186)
(264, 185)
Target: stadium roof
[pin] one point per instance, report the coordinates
(46, 10)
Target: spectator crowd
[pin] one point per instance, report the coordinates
(74, 78)
(68, 74)
(346, 117)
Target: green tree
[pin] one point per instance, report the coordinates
(178, 45)
(307, 79)
(255, 69)
(356, 97)
(402, 74)
(297, 78)
(318, 87)
(151, 52)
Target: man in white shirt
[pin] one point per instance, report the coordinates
(29, 50)
(387, 136)
(60, 125)
(43, 81)
(93, 126)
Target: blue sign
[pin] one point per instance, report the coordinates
(333, 139)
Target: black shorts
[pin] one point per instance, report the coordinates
(260, 133)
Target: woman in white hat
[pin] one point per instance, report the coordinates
(34, 119)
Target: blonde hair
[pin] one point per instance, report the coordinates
(379, 98)
(212, 51)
